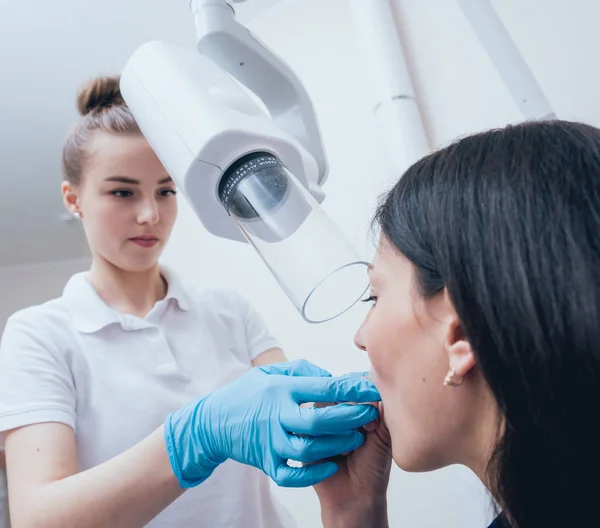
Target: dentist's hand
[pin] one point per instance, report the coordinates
(256, 420)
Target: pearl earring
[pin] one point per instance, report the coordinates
(77, 214)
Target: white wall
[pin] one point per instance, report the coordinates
(460, 93)
(20, 287)
(27, 285)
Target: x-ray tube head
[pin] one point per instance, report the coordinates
(245, 175)
(306, 252)
(258, 193)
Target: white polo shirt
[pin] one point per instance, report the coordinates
(114, 377)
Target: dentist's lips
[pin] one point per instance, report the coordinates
(145, 241)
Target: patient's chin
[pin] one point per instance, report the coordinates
(415, 460)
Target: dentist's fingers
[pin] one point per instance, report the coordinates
(302, 477)
(334, 389)
(308, 449)
(299, 367)
(337, 419)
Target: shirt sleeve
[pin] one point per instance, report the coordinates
(258, 337)
(36, 384)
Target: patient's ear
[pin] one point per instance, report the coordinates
(461, 356)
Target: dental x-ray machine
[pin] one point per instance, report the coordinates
(237, 132)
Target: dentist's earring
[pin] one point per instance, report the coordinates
(449, 380)
(77, 215)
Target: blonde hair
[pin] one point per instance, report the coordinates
(102, 108)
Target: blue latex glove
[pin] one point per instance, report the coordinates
(253, 420)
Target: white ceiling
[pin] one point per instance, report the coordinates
(47, 49)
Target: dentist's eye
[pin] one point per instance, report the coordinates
(122, 193)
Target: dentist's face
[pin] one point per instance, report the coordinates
(404, 338)
(126, 200)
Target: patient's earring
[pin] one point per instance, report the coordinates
(449, 380)
(77, 215)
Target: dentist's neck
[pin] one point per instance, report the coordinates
(131, 292)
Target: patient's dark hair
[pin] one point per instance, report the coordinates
(508, 221)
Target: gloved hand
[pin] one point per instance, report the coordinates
(256, 420)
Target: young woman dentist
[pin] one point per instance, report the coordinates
(87, 380)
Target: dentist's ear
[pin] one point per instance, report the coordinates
(70, 199)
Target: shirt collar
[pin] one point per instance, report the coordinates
(175, 288)
(91, 314)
